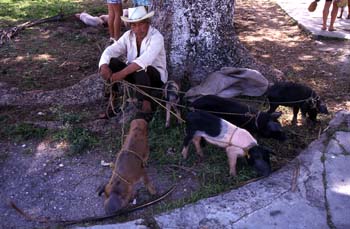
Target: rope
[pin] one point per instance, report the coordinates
(239, 99)
(137, 87)
(157, 100)
(151, 97)
(120, 177)
(136, 155)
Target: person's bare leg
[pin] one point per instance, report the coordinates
(341, 12)
(111, 16)
(333, 16)
(326, 7)
(117, 9)
(348, 10)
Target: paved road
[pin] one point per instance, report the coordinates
(312, 21)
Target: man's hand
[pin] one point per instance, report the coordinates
(117, 76)
(105, 72)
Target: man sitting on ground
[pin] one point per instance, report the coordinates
(144, 49)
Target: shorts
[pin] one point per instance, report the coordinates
(114, 1)
(142, 2)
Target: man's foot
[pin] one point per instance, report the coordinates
(331, 29)
(324, 28)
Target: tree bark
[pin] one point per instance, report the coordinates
(200, 38)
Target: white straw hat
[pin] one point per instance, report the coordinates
(136, 14)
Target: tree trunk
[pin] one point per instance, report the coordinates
(200, 38)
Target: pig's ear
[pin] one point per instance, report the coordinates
(276, 115)
(113, 203)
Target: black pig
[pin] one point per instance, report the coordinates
(246, 117)
(297, 96)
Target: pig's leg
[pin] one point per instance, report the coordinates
(148, 184)
(295, 114)
(177, 112)
(167, 122)
(187, 140)
(197, 143)
(273, 107)
(232, 153)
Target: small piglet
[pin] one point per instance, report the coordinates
(298, 97)
(129, 168)
(244, 116)
(172, 98)
(236, 141)
(90, 20)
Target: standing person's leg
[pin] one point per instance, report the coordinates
(341, 12)
(118, 11)
(333, 16)
(326, 7)
(111, 17)
(348, 17)
(114, 21)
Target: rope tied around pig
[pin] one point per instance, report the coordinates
(123, 151)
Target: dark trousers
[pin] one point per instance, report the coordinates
(149, 78)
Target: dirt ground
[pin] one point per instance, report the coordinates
(44, 181)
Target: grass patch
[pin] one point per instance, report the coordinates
(21, 131)
(78, 139)
(13, 11)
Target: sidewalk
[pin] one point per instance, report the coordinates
(312, 21)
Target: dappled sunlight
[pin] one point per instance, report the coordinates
(342, 106)
(43, 57)
(20, 58)
(47, 148)
(342, 188)
(306, 57)
(266, 56)
(45, 35)
(45, 153)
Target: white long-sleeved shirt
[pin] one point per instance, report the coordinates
(152, 51)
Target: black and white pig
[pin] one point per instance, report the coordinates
(299, 97)
(244, 116)
(237, 142)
